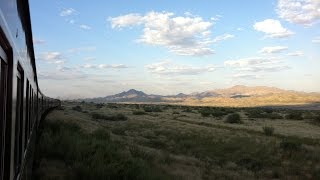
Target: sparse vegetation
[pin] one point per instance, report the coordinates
(181, 146)
(77, 108)
(139, 112)
(295, 115)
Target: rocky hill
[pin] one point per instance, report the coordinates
(234, 96)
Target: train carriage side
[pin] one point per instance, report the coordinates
(21, 102)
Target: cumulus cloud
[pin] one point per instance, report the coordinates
(169, 68)
(52, 57)
(257, 64)
(297, 53)
(273, 49)
(38, 41)
(67, 12)
(126, 20)
(85, 27)
(183, 35)
(222, 37)
(272, 28)
(304, 12)
(316, 40)
(104, 66)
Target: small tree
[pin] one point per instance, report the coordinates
(268, 130)
(233, 118)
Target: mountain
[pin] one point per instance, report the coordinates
(234, 96)
(131, 95)
(249, 91)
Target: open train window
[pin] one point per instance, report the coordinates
(19, 121)
(3, 102)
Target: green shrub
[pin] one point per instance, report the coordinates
(290, 144)
(77, 108)
(295, 115)
(268, 130)
(140, 153)
(233, 118)
(219, 113)
(317, 118)
(255, 113)
(138, 112)
(152, 109)
(99, 106)
(273, 116)
(187, 110)
(117, 117)
(175, 112)
(205, 112)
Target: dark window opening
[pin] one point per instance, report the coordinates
(19, 121)
(3, 102)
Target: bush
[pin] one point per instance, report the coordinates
(205, 112)
(175, 112)
(187, 110)
(152, 109)
(273, 116)
(268, 130)
(99, 106)
(317, 118)
(233, 118)
(294, 115)
(218, 113)
(77, 108)
(290, 144)
(117, 117)
(139, 113)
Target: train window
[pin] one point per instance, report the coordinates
(19, 121)
(30, 107)
(26, 129)
(3, 95)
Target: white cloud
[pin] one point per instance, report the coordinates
(104, 66)
(38, 41)
(67, 12)
(188, 35)
(297, 53)
(316, 40)
(222, 37)
(61, 75)
(272, 28)
(82, 49)
(257, 64)
(126, 20)
(246, 76)
(273, 49)
(305, 12)
(240, 29)
(85, 27)
(89, 58)
(52, 57)
(169, 68)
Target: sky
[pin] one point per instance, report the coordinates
(167, 47)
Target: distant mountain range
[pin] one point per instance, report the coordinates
(235, 96)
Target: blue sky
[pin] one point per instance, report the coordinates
(166, 47)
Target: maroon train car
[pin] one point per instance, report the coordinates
(22, 105)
